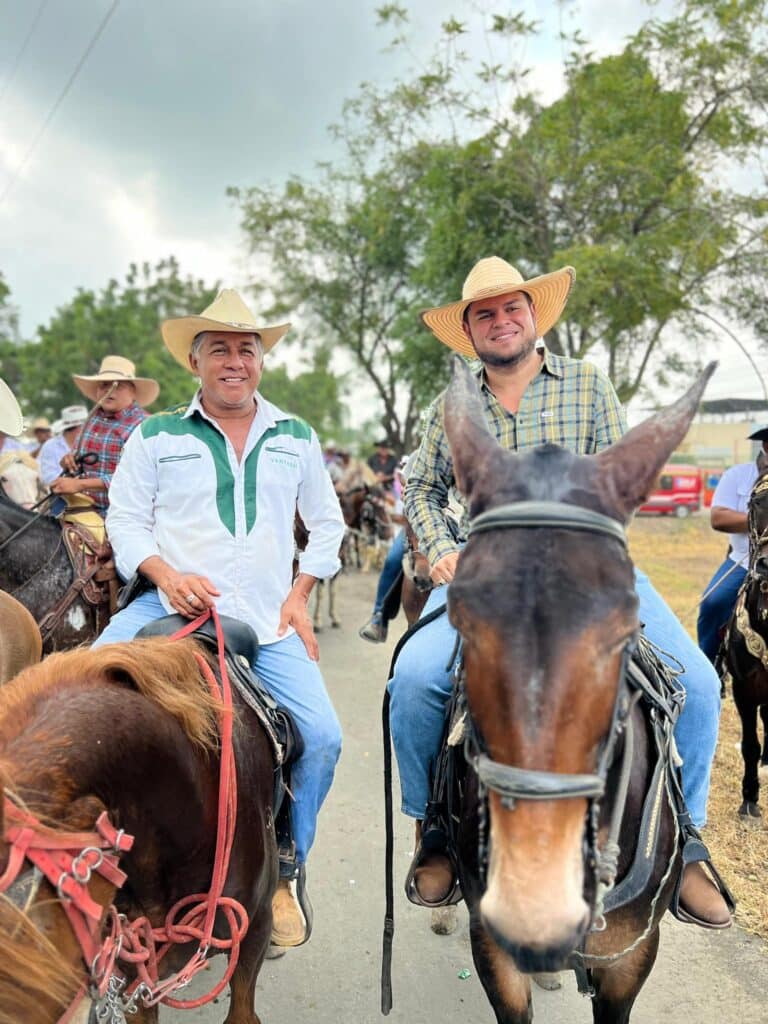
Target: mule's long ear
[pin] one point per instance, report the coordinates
(629, 468)
(473, 448)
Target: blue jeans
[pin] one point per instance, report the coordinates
(390, 570)
(295, 682)
(715, 610)
(422, 683)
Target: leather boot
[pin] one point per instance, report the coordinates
(700, 900)
(433, 877)
(375, 630)
(288, 925)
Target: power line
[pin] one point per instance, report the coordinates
(61, 97)
(23, 49)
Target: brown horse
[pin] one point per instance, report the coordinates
(134, 731)
(744, 651)
(369, 524)
(554, 749)
(20, 640)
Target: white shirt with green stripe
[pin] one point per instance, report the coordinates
(180, 493)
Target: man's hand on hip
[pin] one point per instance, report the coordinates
(444, 568)
(293, 612)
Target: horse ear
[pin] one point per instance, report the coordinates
(629, 468)
(473, 447)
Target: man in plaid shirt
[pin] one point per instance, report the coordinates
(531, 397)
(119, 396)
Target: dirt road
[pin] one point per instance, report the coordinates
(700, 977)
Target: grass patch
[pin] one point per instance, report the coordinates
(680, 556)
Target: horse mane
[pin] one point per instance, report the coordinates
(166, 673)
(26, 953)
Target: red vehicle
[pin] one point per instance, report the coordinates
(678, 492)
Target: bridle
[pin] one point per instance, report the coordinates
(68, 860)
(513, 784)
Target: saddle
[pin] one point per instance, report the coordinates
(90, 554)
(241, 649)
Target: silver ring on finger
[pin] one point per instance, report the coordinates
(191, 598)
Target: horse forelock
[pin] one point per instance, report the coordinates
(166, 673)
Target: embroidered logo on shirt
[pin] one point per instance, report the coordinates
(547, 414)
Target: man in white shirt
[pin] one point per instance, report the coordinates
(55, 448)
(729, 515)
(202, 504)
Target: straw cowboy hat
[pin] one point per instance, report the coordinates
(494, 276)
(41, 423)
(11, 420)
(119, 369)
(227, 312)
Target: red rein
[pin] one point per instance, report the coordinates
(68, 859)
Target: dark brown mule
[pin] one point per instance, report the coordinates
(131, 729)
(20, 640)
(545, 603)
(744, 652)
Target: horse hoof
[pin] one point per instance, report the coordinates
(444, 920)
(275, 952)
(335, 625)
(318, 629)
(550, 981)
(749, 810)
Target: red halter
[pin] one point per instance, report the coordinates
(68, 860)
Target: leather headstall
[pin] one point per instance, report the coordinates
(512, 783)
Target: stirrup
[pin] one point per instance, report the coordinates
(297, 873)
(433, 840)
(695, 851)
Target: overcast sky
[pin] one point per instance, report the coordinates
(180, 99)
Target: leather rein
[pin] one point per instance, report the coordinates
(513, 784)
(68, 860)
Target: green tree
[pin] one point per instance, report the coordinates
(314, 394)
(626, 176)
(122, 319)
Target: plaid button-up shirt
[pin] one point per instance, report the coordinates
(569, 402)
(105, 436)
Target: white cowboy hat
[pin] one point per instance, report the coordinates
(117, 368)
(227, 312)
(493, 276)
(72, 416)
(11, 420)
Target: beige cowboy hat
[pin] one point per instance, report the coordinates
(11, 420)
(494, 276)
(227, 312)
(119, 369)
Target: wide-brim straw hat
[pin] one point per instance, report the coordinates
(11, 420)
(117, 368)
(227, 312)
(494, 276)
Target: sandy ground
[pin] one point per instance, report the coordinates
(700, 977)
